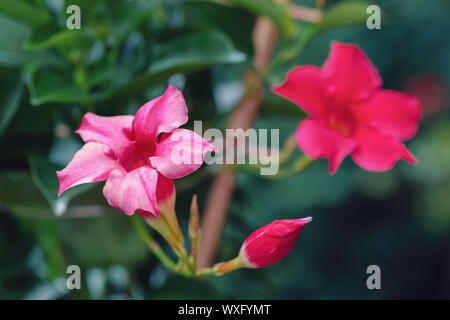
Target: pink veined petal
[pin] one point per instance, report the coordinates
(317, 140)
(305, 87)
(376, 152)
(393, 113)
(92, 163)
(351, 74)
(130, 191)
(111, 131)
(163, 114)
(180, 153)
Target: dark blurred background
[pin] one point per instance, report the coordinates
(125, 54)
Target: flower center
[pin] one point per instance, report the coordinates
(136, 156)
(341, 121)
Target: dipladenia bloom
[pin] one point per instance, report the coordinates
(349, 113)
(270, 243)
(137, 156)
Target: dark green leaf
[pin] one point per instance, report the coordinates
(43, 173)
(11, 88)
(186, 54)
(12, 36)
(24, 11)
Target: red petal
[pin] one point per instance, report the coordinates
(180, 153)
(130, 191)
(351, 74)
(92, 163)
(163, 114)
(393, 113)
(304, 86)
(376, 152)
(111, 131)
(317, 140)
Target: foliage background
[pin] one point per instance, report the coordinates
(125, 54)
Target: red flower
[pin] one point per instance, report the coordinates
(138, 156)
(270, 243)
(350, 113)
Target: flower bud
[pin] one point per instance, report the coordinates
(270, 243)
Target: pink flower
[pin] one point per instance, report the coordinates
(137, 156)
(349, 113)
(270, 243)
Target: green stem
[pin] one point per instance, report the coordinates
(298, 166)
(151, 243)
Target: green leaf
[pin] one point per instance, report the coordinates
(46, 38)
(12, 36)
(53, 85)
(11, 88)
(127, 15)
(182, 55)
(44, 176)
(202, 15)
(343, 14)
(187, 54)
(277, 12)
(20, 196)
(24, 11)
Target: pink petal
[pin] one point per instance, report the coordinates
(180, 153)
(165, 190)
(130, 191)
(112, 131)
(393, 113)
(317, 140)
(163, 114)
(351, 74)
(305, 87)
(92, 163)
(376, 152)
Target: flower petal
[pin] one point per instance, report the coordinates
(305, 87)
(393, 113)
(180, 153)
(317, 140)
(376, 152)
(165, 192)
(130, 191)
(163, 114)
(92, 163)
(351, 74)
(111, 131)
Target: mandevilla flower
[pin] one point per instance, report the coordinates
(350, 113)
(135, 155)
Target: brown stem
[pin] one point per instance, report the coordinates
(218, 201)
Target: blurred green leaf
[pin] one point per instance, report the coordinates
(344, 13)
(181, 55)
(54, 85)
(277, 12)
(211, 15)
(127, 15)
(11, 88)
(186, 54)
(20, 196)
(25, 11)
(42, 38)
(43, 173)
(12, 36)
